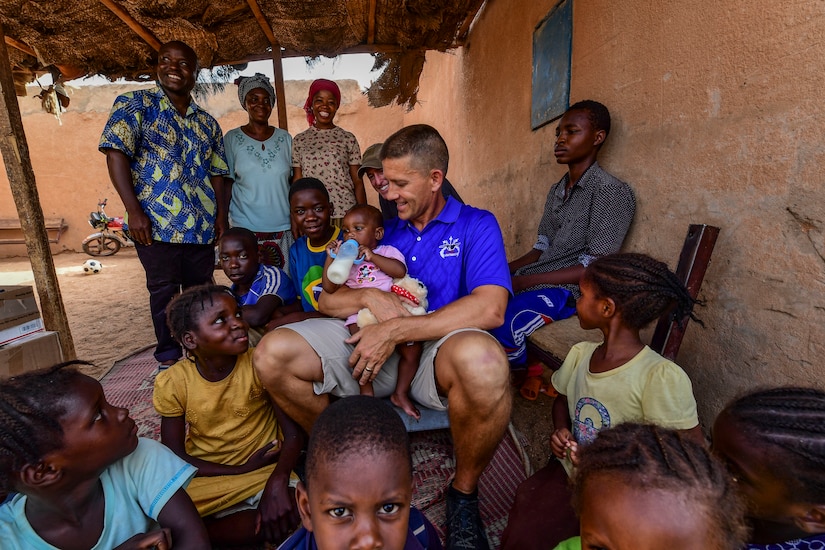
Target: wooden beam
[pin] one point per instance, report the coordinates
(461, 35)
(262, 22)
(361, 48)
(15, 151)
(371, 22)
(25, 48)
(139, 29)
(277, 64)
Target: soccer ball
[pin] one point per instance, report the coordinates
(92, 266)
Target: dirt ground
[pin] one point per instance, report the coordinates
(109, 319)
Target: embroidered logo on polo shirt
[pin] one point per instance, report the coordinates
(450, 248)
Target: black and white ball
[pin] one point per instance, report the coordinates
(92, 266)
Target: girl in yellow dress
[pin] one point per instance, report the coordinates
(234, 431)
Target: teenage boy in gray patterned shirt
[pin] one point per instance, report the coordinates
(587, 214)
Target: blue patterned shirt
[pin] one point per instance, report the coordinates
(172, 158)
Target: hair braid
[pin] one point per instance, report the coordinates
(642, 288)
(646, 456)
(184, 311)
(790, 421)
(31, 406)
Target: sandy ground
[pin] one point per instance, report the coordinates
(108, 311)
(109, 319)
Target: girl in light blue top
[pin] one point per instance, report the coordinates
(82, 477)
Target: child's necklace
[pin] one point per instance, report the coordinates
(215, 374)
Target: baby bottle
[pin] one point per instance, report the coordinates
(342, 262)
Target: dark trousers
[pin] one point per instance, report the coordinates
(169, 269)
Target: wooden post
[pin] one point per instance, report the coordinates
(280, 89)
(15, 153)
(277, 65)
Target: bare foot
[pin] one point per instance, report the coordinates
(403, 401)
(366, 389)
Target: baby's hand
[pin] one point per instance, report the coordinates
(263, 456)
(561, 442)
(364, 252)
(160, 539)
(332, 248)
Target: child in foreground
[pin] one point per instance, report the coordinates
(234, 430)
(773, 442)
(358, 487)
(604, 384)
(262, 290)
(328, 152)
(381, 264)
(82, 476)
(644, 487)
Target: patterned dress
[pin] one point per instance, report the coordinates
(327, 155)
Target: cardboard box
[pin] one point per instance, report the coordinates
(19, 315)
(16, 332)
(17, 306)
(31, 352)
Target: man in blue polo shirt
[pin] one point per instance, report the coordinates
(458, 252)
(166, 161)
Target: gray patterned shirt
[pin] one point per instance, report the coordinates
(591, 221)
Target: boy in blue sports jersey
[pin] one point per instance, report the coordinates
(264, 292)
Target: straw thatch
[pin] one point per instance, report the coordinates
(117, 38)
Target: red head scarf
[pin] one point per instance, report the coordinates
(317, 86)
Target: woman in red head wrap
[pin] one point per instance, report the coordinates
(315, 87)
(328, 152)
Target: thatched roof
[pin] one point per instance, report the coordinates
(117, 38)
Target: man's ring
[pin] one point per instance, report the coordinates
(368, 369)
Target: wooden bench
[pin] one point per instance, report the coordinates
(54, 225)
(551, 343)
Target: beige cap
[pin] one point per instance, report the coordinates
(371, 159)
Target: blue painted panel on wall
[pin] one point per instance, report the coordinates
(552, 46)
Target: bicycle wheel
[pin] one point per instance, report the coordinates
(101, 246)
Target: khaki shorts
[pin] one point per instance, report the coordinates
(326, 336)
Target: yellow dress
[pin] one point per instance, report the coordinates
(227, 422)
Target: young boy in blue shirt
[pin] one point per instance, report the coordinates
(341, 508)
(262, 290)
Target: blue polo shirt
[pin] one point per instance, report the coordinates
(458, 251)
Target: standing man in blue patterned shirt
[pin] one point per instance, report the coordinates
(587, 215)
(166, 160)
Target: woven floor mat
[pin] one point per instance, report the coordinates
(131, 380)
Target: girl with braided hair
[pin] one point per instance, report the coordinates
(603, 384)
(216, 415)
(644, 487)
(773, 442)
(80, 475)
